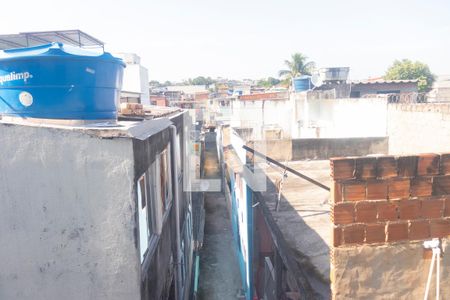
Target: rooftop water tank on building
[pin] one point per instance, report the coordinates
(302, 83)
(56, 81)
(334, 74)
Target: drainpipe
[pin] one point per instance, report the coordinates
(262, 127)
(174, 152)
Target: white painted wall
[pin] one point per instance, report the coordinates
(299, 118)
(67, 216)
(135, 80)
(419, 128)
(335, 118)
(262, 114)
(135, 77)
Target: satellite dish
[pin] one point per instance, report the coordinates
(316, 80)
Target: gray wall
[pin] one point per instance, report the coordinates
(277, 149)
(393, 271)
(374, 88)
(314, 148)
(326, 148)
(67, 216)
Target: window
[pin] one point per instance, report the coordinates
(355, 94)
(182, 262)
(178, 158)
(388, 92)
(144, 229)
(157, 206)
(165, 178)
(154, 197)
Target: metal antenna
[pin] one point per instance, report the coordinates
(284, 175)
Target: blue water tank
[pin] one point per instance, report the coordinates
(57, 81)
(302, 83)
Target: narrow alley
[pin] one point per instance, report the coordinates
(219, 270)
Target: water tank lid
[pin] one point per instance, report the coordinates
(55, 50)
(302, 77)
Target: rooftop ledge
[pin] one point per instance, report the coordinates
(139, 129)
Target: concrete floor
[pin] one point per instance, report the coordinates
(219, 271)
(304, 213)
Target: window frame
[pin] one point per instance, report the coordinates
(144, 225)
(165, 168)
(157, 206)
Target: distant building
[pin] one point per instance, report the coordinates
(262, 114)
(173, 96)
(264, 96)
(380, 86)
(242, 90)
(159, 100)
(135, 88)
(188, 89)
(441, 89)
(201, 96)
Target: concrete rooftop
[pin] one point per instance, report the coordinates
(140, 128)
(304, 213)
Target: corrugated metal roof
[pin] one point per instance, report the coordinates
(384, 81)
(75, 37)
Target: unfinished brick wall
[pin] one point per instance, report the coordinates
(388, 199)
(381, 201)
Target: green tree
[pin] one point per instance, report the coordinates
(154, 83)
(200, 80)
(408, 69)
(268, 82)
(297, 66)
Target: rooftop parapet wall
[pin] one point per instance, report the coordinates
(443, 108)
(387, 206)
(321, 148)
(424, 127)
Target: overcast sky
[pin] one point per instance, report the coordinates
(178, 39)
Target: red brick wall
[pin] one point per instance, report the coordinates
(201, 96)
(161, 102)
(158, 100)
(386, 199)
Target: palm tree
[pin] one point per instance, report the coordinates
(297, 66)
